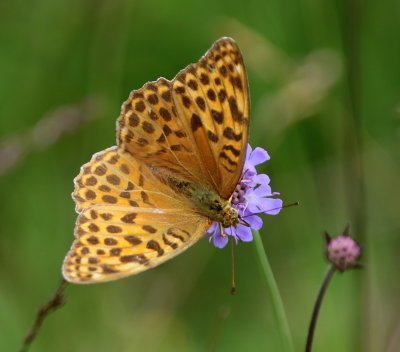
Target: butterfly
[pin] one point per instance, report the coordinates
(181, 146)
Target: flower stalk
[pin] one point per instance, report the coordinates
(342, 252)
(277, 305)
(317, 306)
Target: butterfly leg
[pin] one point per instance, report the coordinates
(221, 229)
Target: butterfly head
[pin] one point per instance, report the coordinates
(230, 217)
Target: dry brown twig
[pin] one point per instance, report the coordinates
(53, 304)
(13, 149)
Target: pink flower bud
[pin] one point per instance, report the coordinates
(342, 251)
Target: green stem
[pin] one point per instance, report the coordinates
(277, 305)
(317, 306)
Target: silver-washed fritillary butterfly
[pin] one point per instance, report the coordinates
(180, 151)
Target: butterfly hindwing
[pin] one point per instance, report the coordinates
(128, 220)
(112, 242)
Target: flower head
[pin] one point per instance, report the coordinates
(252, 196)
(342, 251)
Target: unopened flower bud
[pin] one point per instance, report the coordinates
(342, 251)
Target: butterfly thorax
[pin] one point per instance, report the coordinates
(206, 201)
(213, 206)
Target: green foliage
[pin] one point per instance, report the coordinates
(324, 106)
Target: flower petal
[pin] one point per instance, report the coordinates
(256, 198)
(213, 228)
(272, 206)
(248, 151)
(254, 221)
(244, 233)
(262, 191)
(259, 156)
(220, 241)
(261, 179)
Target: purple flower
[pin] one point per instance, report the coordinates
(252, 196)
(342, 251)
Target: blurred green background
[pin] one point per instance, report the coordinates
(325, 91)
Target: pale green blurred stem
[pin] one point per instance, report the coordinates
(277, 305)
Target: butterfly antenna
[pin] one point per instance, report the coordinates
(263, 212)
(243, 175)
(243, 222)
(291, 204)
(233, 288)
(221, 229)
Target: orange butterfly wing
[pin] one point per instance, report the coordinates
(194, 128)
(128, 220)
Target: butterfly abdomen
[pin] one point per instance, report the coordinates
(205, 201)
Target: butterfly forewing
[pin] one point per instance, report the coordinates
(150, 129)
(196, 125)
(213, 98)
